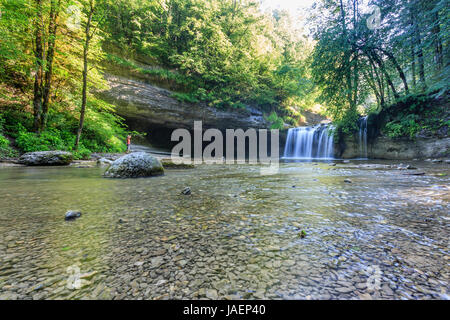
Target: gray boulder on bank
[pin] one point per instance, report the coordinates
(46, 158)
(135, 165)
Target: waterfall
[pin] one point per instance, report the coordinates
(363, 137)
(310, 143)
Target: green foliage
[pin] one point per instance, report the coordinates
(103, 131)
(226, 53)
(407, 126)
(348, 124)
(3, 142)
(414, 114)
(47, 140)
(401, 129)
(355, 65)
(157, 74)
(275, 121)
(82, 153)
(5, 149)
(185, 97)
(15, 25)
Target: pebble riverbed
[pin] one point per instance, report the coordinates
(372, 232)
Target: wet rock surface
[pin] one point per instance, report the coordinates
(385, 236)
(46, 158)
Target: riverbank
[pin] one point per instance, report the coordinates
(104, 159)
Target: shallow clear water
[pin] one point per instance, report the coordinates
(385, 235)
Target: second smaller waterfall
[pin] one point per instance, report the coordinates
(363, 137)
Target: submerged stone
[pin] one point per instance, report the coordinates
(414, 174)
(72, 215)
(169, 164)
(186, 191)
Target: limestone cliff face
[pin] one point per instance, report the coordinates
(146, 106)
(396, 149)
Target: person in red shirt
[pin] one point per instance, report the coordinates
(128, 144)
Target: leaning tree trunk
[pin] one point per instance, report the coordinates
(398, 67)
(380, 63)
(379, 79)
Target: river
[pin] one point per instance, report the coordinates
(238, 235)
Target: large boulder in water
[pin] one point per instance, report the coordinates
(135, 165)
(46, 158)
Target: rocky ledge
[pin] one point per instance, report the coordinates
(146, 105)
(135, 165)
(46, 158)
(396, 149)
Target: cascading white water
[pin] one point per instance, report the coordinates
(363, 137)
(310, 143)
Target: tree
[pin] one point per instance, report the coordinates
(228, 52)
(39, 59)
(90, 9)
(52, 28)
(365, 61)
(44, 50)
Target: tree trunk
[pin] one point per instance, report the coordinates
(355, 82)
(379, 80)
(39, 56)
(383, 70)
(397, 66)
(438, 55)
(421, 60)
(413, 65)
(85, 73)
(418, 44)
(370, 80)
(54, 11)
(413, 45)
(348, 71)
